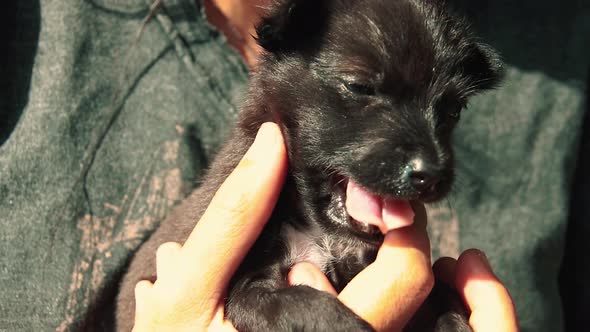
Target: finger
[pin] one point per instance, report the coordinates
(309, 275)
(420, 217)
(490, 303)
(445, 269)
(166, 256)
(219, 323)
(142, 291)
(399, 280)
(236, 214)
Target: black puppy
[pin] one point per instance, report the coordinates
(367, 93)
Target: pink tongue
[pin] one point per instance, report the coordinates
(368, 208)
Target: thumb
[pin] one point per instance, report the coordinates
(488, 299)
(307, 274)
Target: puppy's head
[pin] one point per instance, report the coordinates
(368, 93)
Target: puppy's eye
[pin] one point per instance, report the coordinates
(456, 108)
(360, 89)
(455, 112)
(451, 108)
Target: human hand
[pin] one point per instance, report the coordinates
(188, 296)
(488, 300)
(390, 290)
(237, 21)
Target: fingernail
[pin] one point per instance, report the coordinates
(482, 264)
(268, 136)
(266, 145)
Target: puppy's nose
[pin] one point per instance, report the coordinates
(423, 181)
(422, 176)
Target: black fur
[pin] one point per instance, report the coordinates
(361, 89)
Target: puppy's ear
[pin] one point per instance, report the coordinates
(484, 67)
(292, 25)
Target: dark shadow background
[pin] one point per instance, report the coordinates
(575, 270)
(553, 44)
(20, 22)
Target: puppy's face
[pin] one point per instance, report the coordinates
(369, 92)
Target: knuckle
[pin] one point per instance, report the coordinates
(427, 283)
(421, 277)
(424, 276)
(232, 206)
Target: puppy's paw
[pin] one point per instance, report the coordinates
(452, 322)
(297, 308)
